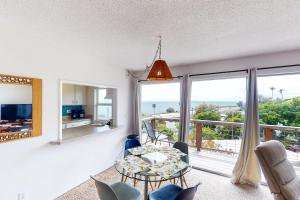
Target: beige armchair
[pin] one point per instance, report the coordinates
(279, 172)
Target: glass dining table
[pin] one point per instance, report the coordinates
(153, 164)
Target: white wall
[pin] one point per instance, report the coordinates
(267, 60)
(42, 170)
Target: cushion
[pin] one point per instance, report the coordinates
(291, 191)
(168, 192)
(270, 149)
(125, 192)
(284, 172)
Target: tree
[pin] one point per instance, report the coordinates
(170, 110)
(231, 132)
(272, 90)
(206, 108)
(207, 112)
(281, 91)
(209, 115)
(280, 112)
(240, 104)
(154, 106)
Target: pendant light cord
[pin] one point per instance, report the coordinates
(158, 52)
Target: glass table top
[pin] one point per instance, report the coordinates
(153, 163)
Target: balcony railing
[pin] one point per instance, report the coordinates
(229, 145)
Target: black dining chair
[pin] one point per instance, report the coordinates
(184, 148)
(154, 134)
(173, 192)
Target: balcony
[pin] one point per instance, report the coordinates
(218, 154)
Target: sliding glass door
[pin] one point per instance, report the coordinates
(217, 113)
(217, 116)
(160, 105)
(279, 113)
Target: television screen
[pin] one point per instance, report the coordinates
(14, 112)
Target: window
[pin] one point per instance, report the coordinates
(279, 106)
(104, 105)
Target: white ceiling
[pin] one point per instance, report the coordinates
(121, 32)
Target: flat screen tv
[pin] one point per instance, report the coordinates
(13, 112)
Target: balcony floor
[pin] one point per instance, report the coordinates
(218, 162)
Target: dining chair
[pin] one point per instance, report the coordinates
(184, 148)
(116, 191)
(173, 192)
(154, 134)
(130, 143)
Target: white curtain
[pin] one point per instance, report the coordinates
(185, 98)
(247, 170)
(136, 108)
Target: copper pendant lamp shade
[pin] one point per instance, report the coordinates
(160, 71)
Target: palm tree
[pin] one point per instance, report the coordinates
(281, 91)
(154, 106)
(272, 89)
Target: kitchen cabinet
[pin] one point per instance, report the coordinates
(76, 123)
(73, 94)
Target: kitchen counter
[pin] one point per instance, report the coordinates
(82, 131)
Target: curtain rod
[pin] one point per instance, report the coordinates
(173, 77)
(240, 70)
(246, 70)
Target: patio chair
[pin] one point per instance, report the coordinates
(173, 192)
(154, 134)
(283, 182)
(116, 191)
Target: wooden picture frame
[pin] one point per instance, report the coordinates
(36, 85)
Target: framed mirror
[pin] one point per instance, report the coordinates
(20, 107)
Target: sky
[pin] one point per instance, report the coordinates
(225, 89)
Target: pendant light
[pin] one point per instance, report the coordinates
(159, 70)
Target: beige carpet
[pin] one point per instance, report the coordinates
(213, 187)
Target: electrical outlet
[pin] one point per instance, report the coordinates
(22, 196)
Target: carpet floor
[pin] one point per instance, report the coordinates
(213, 187)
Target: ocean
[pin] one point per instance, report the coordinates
(162, 106)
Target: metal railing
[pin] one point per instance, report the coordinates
(228, 145)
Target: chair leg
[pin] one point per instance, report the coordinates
(159, 184)
(125, 179)
(173, 181)
(122, 179)
(150, 184)
(184, 181)
(134, 180)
